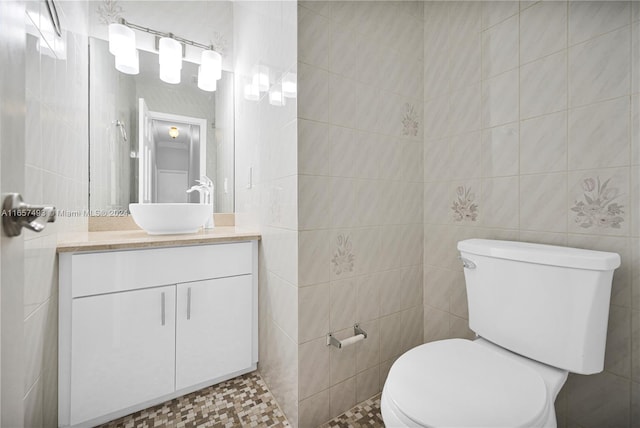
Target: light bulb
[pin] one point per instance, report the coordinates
(251, 92)
(276, 98)
(122, 39)
(169, 75)
(261, 77)
(173, 132)
(128, 63)
(211, 63)
(290, 85)
(206, 81)
(170, 51)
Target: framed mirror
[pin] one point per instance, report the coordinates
(150, 140)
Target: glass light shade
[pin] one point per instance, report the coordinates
(206, 81)
(169, 75)
(251, 92)
(290, 85)
(276, 97)
(211, 63)
(261, 78)
(122, 39)
(173, 132)
(170, 51)
(128, 63)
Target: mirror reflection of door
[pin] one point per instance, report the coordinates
(171, 156)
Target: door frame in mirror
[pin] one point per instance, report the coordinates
(144, 128)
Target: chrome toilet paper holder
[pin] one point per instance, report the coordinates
(358, 335)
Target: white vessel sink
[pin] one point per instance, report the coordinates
(168, 219)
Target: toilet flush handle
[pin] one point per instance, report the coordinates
(466, 263)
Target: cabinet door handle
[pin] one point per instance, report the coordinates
(189, 303)
(163, 306)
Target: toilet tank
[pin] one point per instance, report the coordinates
(548, 303)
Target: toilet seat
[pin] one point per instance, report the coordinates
(459, 383)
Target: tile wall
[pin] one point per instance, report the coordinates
(360, 130)
(266, 186)
(531, 133)
(56, 168)
(113, 99)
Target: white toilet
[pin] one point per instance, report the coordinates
(539, 311)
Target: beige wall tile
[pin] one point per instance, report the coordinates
(367, 384)
(315, 410)
(500, 151)
(534, 43)
(599, 135)
(543, 86)
(313, 34)
(314, 367)
(314, 306)
(587, 20)
(546, 191)
(598, 400)
(600, 68)
(342, 396)
(618, 348)
(500, 46)
(543, 144)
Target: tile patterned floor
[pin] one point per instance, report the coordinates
(244, 401)
(365, 414)
(241, 402)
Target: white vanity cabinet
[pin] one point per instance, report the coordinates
(139, 327)
(203, 352)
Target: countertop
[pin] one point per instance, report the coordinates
(132, 239)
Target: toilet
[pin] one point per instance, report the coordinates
(539, 312)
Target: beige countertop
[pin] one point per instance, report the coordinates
(132, 239)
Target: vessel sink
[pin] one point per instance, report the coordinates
(169, 218)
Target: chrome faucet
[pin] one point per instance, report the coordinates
(205, 188)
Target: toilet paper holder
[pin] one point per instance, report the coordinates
(358, 335)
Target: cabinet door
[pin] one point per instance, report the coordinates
(214, 335)
(122, 350)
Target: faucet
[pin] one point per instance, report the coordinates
(205, 188)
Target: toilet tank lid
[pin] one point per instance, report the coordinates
(542, 254)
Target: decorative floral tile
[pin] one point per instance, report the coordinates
(109, 12)
(343, 258)
(464, 208)
(599, 206)
(410, 122)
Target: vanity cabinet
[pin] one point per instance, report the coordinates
(122, 352)
(203, 352)
(139, 327)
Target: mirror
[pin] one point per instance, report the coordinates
(133, 120)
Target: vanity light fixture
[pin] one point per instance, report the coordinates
(171, 51)
(290, 85)
(210, 70)
(173, 132)
(276, 97)
(170, 58)
(205, 81)
(122, 44)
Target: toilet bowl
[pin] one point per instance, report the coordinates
(539, 312)
(463, 383)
